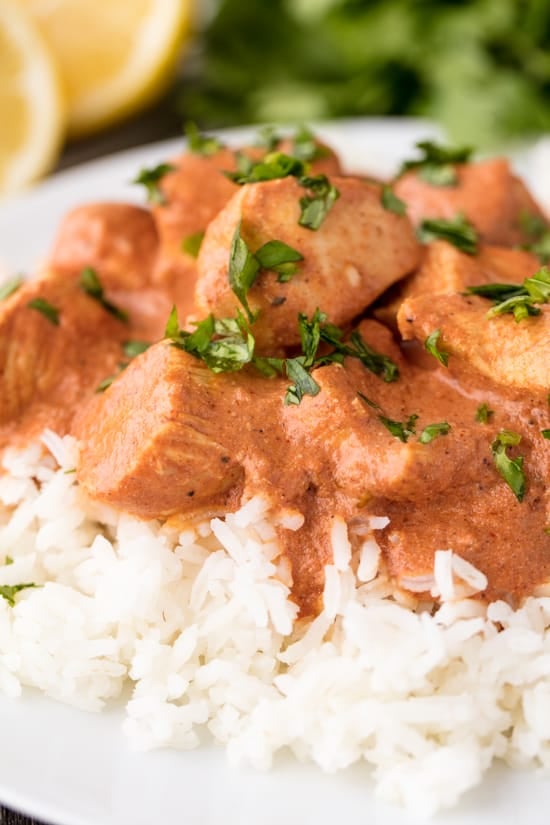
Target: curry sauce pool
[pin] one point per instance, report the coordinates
(392, 431)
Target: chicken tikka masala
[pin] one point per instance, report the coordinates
(346, 347)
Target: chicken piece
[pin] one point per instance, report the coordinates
(492, 198)
(119, 241)
(50, 365)
(154, 444)
(358, 251)
(445, 269)
(509, 353)
(193, 195)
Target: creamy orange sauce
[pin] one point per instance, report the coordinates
(170, 437)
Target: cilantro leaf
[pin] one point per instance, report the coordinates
(432, 431)
(192, 243)
(272, 167)
(435, 165)
(431, 345)
(401, 430)
(10, 286)
(201, 144)
(133, 348)
(458, 231)
(224, 344)
(321, 197)
(150, 178)
(243, 269)
(304, 383)
(279, 257)
(510, 469)
(391, 202)
(9, 591)
(46, 309)
(91, 285)
(484, 413)
(305, 147)
(517, 299)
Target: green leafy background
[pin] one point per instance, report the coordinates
(481, 68)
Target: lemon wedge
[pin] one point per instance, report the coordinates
(114, 55)
(31, 104)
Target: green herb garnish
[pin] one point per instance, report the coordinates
(91, 285)
(225, 345)
(8, 560)
(279, 257)
(267, 138)
(46, 309)
(510, 469)
(272, 167)
(201, 144)
(10, 286)
(538, 229)
(484, 413)
(458, 231)
(436, 164)
(320, 199)
(391, 202)
(245, 265)
(305, 147)
(9, 591)
(518, 300)
(192, 243)
(243, 269)
(431, 344)
(400, 430)
(545, 433)
(133, 348)
(150, 178)
(432, 431)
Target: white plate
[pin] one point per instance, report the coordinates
(73, 768)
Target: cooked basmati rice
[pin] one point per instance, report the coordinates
(198, 619)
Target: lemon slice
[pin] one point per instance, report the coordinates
(114, 55)
(31, 107)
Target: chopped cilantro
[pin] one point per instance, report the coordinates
(243, 269)
(537, 228)
(431, 344)
(320, 199)
(545, 433)
(279, 257)
(46, 309)
(267, 138)
(150, 178)
(432, 431)
(436, 164)
(9, 591)
(484, 413)
(192, 243)
(458, 231)
(201, 144)
(305, 147)
(518, 300)
(225, 345)
(133, 348)
(510, 469)
(401, 430)
(10, 286)
(391, 202)
(91, 285)
(273, 166)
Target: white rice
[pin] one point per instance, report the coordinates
(199, 621)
